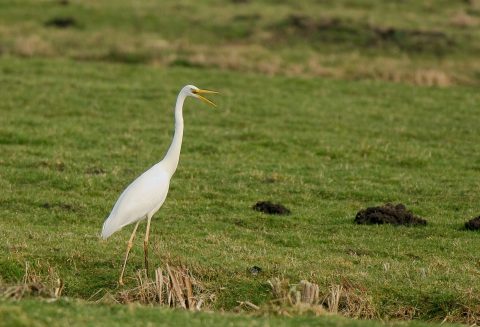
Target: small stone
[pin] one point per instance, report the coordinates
(255, 270)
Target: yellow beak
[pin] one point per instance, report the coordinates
(199, 92)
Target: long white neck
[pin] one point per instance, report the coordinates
(173, 155)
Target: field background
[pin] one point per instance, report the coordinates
(327, 107)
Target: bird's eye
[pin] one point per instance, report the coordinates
(193, 91)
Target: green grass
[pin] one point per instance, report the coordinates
(86, 109)
(76, 313)
(73, 135)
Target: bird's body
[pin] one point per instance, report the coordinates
(142, 198)
(146, 194)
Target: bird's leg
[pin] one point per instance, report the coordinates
(145, 242)
(129, 246)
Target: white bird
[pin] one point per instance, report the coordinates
(146, 194)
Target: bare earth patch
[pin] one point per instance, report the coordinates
(388, 214)
(473, 224)
(62, 22)
(271, 208)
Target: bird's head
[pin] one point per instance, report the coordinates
(193, 91)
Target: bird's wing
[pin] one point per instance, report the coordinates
(144, 195)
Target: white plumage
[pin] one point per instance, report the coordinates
(146, 194)
(140, 199)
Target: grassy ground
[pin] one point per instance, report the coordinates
(86, 93)
(74, 135)
(75, 313)
(418, 42)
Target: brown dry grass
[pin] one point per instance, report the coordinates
(34, 283)
(110, 45)
(345, 299)
(171, 286)
(32, 45)
(353, 301)
(468, 313)
(463, 20)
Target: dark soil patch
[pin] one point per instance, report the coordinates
(180, 62)
(473, 224)
(357, 34)
(62, 22)
(126, 57)
(95, 171)
(57, 165)
(247, 18)
(239, 222)
(62, 206)
(358, 253)
(271, 208)
(388, 214)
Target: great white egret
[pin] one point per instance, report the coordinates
(146, 194)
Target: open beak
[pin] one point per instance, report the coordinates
(199, 92)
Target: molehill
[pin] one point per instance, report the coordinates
(271, 208)
(473, 224)
(388, 214)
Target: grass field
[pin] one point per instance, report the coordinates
(75, 134)
(78, 124)
(417, 42)
(34, 313)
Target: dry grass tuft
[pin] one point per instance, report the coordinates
(345, 299)
(432, 77)
(291, 299)
(352, 301)
(468, 312)
(405, 313)
(32, 45)
(34, 283)
(172, 286)
(396, 72)
(246, 306)
(463, 20)
(355, 302)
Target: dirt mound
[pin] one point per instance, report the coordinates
(62, 22)
(388, 214)
(271, 208)
(473, 224)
